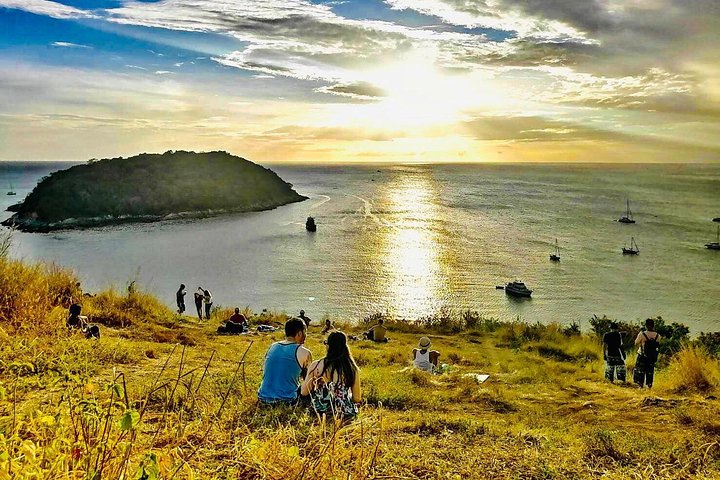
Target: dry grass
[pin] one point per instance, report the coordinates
(161, 396)
(692, 370)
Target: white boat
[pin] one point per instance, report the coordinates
(628, 217)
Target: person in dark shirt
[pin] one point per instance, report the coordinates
(304, 318)
(180, 298)
(614, 354)
(237, 323)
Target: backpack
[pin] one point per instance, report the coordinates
(650, 348)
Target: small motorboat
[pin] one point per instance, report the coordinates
(555, 257)
(310, 225)
(628, 217)
(633, 250)
(716, 244)
(716, 219)
(517, 289)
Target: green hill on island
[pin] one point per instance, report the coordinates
(150, 187)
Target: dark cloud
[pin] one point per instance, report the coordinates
(360, 90)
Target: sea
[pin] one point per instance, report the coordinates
(415, 240)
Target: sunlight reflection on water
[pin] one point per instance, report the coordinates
(410, 257)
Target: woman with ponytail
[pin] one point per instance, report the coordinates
(333, 382)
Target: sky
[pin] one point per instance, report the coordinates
(362, 80)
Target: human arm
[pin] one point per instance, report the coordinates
(304, 359)
(309, 382)
(356, 390)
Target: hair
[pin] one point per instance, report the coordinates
(381, 321)
(339, 359)
(75, 309)
(237, 310)
(293, 327)
(614, 326)
(182, 285)
(650, 324)
(302, 312)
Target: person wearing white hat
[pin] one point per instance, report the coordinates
(424, 358)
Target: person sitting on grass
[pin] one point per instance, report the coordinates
(424, 358)
(237, 323)
(328, 327)
(377, 332)
(648, 343)
(286, 364)
(613, 354)
(75, 321)
(333, 382)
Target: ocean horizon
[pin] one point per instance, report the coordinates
(412, 240)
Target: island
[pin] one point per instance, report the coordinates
(150, 187)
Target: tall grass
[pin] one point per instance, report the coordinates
(692, 369)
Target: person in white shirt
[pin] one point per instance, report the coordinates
(648, 342)
(423, 357)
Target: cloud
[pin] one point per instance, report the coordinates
(345, 134)
(47, 8)
(69, 45)
(359, 91)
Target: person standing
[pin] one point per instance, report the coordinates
(180, 298)
(613, 354)
(199, 296)
(286, 364)
(207, 298)
(305, 319)
(648, 343)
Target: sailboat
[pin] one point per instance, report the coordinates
(716, 244)
(633, 250)
(555, 257)
(11, 191)
(627, 218)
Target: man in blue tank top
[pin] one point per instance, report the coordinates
(286, 363)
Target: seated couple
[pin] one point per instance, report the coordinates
(332, 383)
(237, 323)
(377, 332)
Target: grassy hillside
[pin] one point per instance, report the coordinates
(162, 396)
(151, 186)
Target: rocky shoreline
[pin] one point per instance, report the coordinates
(29, 225)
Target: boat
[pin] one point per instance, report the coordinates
(11, 191)
(633, 250)
(627, 218)
(716, 244)
(517, 289)
(310, 225)
(555, 257)
(716, 219)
